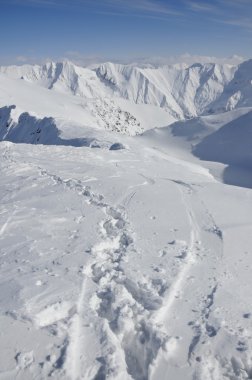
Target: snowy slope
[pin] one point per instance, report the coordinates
(182, 91)
(122, 265)
(93, 112)
(221, 138)
(21, 127)
(238, 92)
(231, 144)
(128, 264)
(62, 76)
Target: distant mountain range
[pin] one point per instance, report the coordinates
(183, 91)
(120, 98)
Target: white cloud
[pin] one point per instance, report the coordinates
(186, 58)
(240, 22)
(38, 3)
(93, 60)
(200, 7)
(21, 59)
(140, 7)
(148, 6)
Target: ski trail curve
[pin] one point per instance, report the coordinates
(74, 351)
(189, 261)
(192, 294)
(5, 225)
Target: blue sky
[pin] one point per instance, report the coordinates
(34, 30)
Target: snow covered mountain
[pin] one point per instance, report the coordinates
(126, 222)
(62, 76)
(125, 98)
(238, 92)
(183, 91)
(64, 91)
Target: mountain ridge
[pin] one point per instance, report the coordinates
(183, 92)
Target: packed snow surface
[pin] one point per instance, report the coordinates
(126, 255)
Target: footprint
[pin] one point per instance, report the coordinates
(247, 315)
(24, 359)
(241, 346)
(211, 330)
(162, 253)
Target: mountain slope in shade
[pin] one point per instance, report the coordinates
(223, 138)
(21, 127)
(238, 92)
(231, 144)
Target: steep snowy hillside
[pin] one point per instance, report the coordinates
(230, 144)
(92, 109)
(62, 76)
(222, 138)
(21, 127)
(182, 91)
(238, 92)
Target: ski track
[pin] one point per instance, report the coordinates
(74, 351)
(5, 225)
(190, 259)
(7, 157)
(193, 259)
(129, 319)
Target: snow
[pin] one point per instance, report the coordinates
(182, 91)
(175, 92)
(131, 263)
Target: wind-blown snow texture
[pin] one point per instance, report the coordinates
(126, 255)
